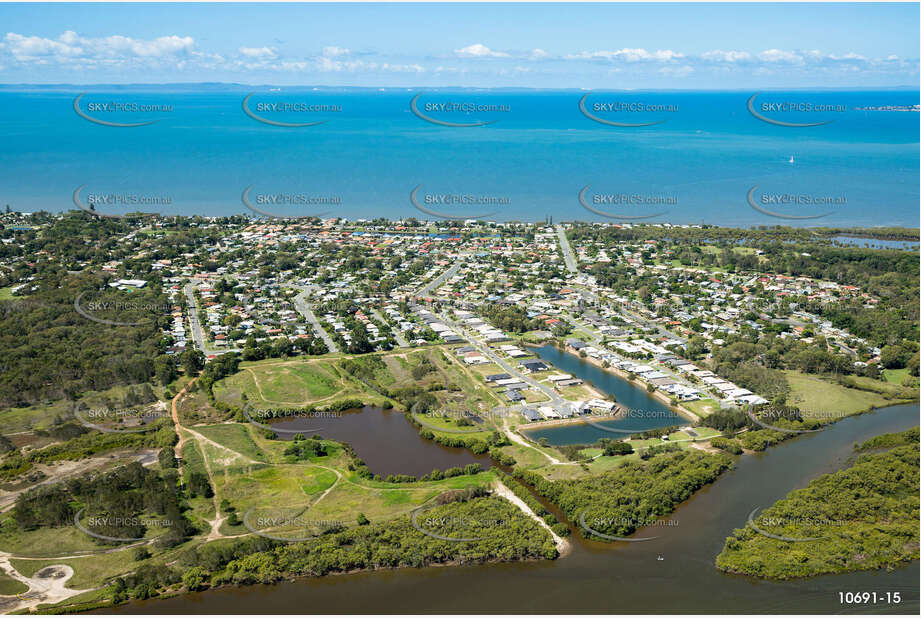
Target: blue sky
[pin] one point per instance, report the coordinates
(682, 46)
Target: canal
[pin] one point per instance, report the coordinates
(645, 411)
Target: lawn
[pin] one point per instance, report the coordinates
(89, 571)
(10, 586)
(45, 541)
(289, 382)
(895, 376)
(826, 401)
(701, 407)
(235, 436)
(192, 459)
(272, 486)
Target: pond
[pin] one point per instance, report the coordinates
(385, 440)
(621, 578)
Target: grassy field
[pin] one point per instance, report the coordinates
(895, 376)
(34, 417)
(296, 382)
(701, 407)
(825, 401)
(92, 571)
(14, 420)
(480, 431)
(235, 436)
(45, 541)
(10, 586)
(321, 488)
(196, 408)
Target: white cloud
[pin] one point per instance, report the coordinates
(330, 65)
(478, 50)
(779, 55)
(258, 52)
(628, 54)
(680, 71)
(726, 56)
(538, 54)
(333, 52)
(73, 49)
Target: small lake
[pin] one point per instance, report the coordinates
(621, 578)
(385, 440)
(646, 411)
(875, 243)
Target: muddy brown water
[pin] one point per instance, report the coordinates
(619, 577)
(384, 439)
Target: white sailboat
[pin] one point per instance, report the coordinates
(791, 161)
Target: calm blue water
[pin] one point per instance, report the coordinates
(875, 243)
(531, 162)
(646, 412)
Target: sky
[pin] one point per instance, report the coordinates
(617, 46)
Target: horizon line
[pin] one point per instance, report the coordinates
(907, 87)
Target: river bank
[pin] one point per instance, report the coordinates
(598, 577)
(623, 375)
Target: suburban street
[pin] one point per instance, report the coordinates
(488, 353)
(568, 255)
(439, 280)
(400, 339)
(198, 336)
(302, 306)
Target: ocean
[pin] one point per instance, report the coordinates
(707, 158)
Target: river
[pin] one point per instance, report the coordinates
(618, 578)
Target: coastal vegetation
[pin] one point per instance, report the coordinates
(889, 440)
(861, 518)
(497, 530)
(53, 352)
(619, 502)
(113, 505)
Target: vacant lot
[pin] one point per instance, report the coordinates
(824, 400)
